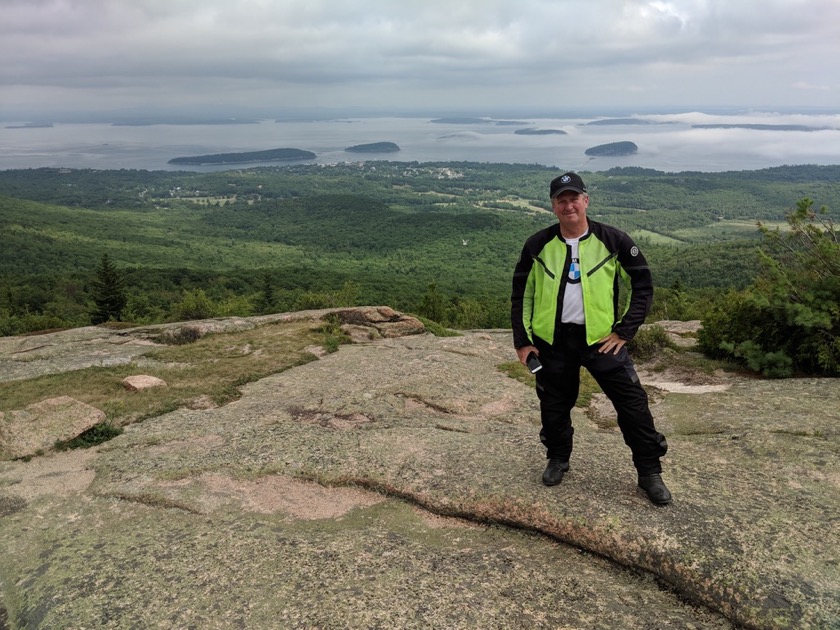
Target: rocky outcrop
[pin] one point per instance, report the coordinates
(39, 426)
(378, 322)
(341, 493)
(54, 353)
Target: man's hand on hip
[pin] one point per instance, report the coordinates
(611, 343)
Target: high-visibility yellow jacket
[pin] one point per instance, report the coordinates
(609, 259)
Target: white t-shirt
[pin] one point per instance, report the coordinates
(573, 295)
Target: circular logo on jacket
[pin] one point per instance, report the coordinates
(634, 251)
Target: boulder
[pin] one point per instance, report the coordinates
(142, 381)
(39, 426)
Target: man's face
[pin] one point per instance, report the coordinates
(570, 209)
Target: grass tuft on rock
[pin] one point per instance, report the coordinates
(92, 437)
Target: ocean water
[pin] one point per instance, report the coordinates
(666, 142)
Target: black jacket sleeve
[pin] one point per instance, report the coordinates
(517, 298)
(635, 265)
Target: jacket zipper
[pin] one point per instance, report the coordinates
(547, 270)
(601, 264)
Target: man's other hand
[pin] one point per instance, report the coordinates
(523, 353)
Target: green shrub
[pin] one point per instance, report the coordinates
(182, 336)
(93, 436)
(28, 323)
(332, 334)
(648, 341)
(788, 321)
(194, 305)
(681, 303)
(436, 329)
(771, 364)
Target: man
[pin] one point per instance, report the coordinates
(565, 310)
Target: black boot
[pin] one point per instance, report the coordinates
(554, 471)
(655, 488)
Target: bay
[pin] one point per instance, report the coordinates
(666, 142)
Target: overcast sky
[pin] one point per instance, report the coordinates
(486, 56)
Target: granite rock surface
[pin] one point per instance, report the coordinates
(396, 483)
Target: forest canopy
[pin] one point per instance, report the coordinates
(405, 234)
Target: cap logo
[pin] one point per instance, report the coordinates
(565, 179)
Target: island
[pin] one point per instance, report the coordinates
(613, 148)
(540, 132)
(150, 122)
(620, 121)
(374, 147)
(460, 120)
(470, 120)
(30, 125)
(270, 155)
(760, 127)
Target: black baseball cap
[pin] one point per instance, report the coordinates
(567, 181)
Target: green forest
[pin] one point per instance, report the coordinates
(435, 239)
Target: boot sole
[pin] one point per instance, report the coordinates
(643, 492)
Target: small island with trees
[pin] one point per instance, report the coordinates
(760, 127)
(30, 125)
(613, 148)
(539, 132)
(471, 120)
(460, 120)
(619, 121)
(270, 155)
(374, 147)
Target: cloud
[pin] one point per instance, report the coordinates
(804, 85)
(387, 52)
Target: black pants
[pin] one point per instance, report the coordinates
(558, 385)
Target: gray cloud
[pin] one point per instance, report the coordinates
(431, 53)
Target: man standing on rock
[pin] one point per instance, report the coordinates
(565, 310)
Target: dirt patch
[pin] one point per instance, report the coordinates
(339, 421)
(497, 407)
(666, 373)
(683, 388)
(435, 521)
(202, 402)
(299, 499)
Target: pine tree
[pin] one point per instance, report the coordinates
(432, 305)
(266, 298)
(788, 321)
(108, 292)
